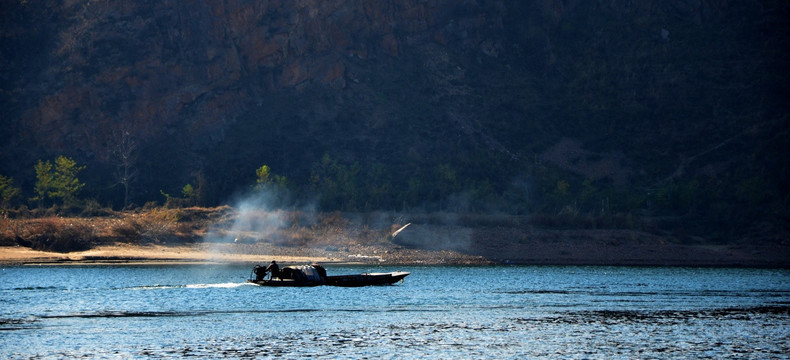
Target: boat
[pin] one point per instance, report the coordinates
(315, 275)
(366, 279)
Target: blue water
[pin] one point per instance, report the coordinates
(438, 312)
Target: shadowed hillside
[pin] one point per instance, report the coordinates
(663, 116)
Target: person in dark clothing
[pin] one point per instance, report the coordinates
(274, 270)
(321, 271)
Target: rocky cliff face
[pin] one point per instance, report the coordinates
(647, 92)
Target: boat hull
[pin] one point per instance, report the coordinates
(365, 279)
(369, 279)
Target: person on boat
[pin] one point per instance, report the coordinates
(321, 271)
(273, 269)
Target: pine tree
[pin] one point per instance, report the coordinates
(58, 181)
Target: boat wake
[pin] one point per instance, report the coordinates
(193, 286)
(218, 286)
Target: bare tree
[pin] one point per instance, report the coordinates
(125, 156)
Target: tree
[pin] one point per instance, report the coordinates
(45, 181)
(188, 191)
(263, 174)
(7, 192)
(338, 184)
(58, 181)
(189, 194)
(125, 153)
(445, 183)
(268, 180)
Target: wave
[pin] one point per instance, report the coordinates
(37, 288)
(129, 314)
(18, 324)
(133, 314)
(636, 316)
(688, 293)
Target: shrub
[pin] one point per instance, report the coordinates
(55, 234)
(158, 226)
(92, 208)
(127, 231)
(150, 205)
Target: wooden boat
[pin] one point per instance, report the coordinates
(315, 275)
(366, 279)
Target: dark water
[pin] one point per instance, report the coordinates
(438, 312)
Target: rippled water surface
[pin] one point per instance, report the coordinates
(438, 312)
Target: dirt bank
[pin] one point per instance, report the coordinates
(212, 235)
(546, 248)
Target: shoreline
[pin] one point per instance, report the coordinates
(207, 236)
(124, 254)
(230, 254)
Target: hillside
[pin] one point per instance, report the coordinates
(664, 116)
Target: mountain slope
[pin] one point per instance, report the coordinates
(659, 108)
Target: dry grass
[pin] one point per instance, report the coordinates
(154, 226)
(187, 225)
(432, 238)
(293, 229)
(51, 233)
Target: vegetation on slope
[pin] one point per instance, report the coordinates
(669, 113)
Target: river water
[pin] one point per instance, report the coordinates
(497, 312)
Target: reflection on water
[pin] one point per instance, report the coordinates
(446, 312)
